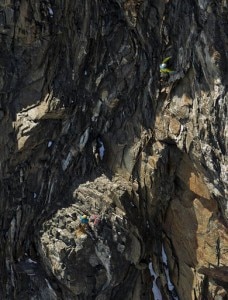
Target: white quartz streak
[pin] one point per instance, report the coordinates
(155, 288)
(170, 285)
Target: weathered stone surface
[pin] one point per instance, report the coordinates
(89, 126)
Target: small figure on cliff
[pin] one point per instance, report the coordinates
(84, 227)
(84, 219)
(163, 66)
(95, 219)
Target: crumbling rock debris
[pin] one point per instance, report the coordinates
(89, 126)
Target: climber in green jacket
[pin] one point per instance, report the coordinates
(163, 66)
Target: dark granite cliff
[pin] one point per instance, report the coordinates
(89, 125)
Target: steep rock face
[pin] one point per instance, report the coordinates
(89, 126)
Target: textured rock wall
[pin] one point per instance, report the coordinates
(88, 125)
